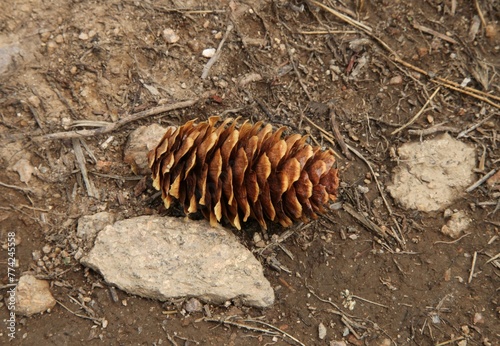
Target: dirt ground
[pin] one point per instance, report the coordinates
(284, 62)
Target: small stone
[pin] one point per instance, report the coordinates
(457, 224)
(337, 343)
(208, 53)
(321, 331)
(78, 254)
(478, 318)
(494, 179)
(73, 70)
(170, 36)
(396, 80)
(92, 33)
(90, 225)
(25, 170)
(430, 119)
(33, 296)
(51, 47)
(193, 305)
(36, 255)
(59, 39)
(34, 101)
(490, 31)
(83, 36)
(140, 142)
(47, 249)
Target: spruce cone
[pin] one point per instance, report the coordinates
(243, 172)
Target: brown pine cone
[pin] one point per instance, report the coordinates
(243, 171)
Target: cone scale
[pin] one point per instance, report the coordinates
(240, 171)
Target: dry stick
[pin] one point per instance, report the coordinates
(328, 136)
(434, 33)
(480, 181)
(338, 135)
(475, 126)
(480, 95)
(472, 267)
(365, 221)
(326, 32)
(91, 191)
(493, 258)
(434, 129)
(23, 189)
(79, 315)
(369, 301)
(114, 126)
(451, 242)
(208, 66)
(480, 13)
(412, 120)
(297, 72)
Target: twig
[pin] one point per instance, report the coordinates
(433, 129)
(471, 275)
(450, 341)
(480, 13)
(475, 126)
(493, 258)
(91, 190)
(328, 135)
(369, 301)
(326, 32)
(23, 189)
(358, 154)
(365, 221)
(434, 33)
(480, 181)
(114, 126)
(451, 242)
(80, 315)
(338, 135)
(275, 332)
(290, 55)
(415, 117)
(208, 66)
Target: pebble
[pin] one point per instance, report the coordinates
(59, 39)
(36, 255)
(208, 53)
(33, 296)
(46, 249)
(83, 36)
(193, 305)
(170, 36)
(396, 80)
(321, 331)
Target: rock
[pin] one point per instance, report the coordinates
(338, 343)
(433, 173)
(170, 36)
(193, 305)
(457, 224)
(25, 170)
(90, 225)
(140, 142)
(164, 258)
(321, 331)
(208, 53)
(396, 80)
(8, 51)
(33, 296)
(494, 180)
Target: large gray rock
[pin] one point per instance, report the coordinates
(433, 173)
(90, 225)
(163, 258)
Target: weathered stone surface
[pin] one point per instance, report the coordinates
(90, 225)
(33, 296)
(162, 258)
(456, 225)
(140, 142)
(433, 173)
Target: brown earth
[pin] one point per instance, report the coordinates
(284, 63)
